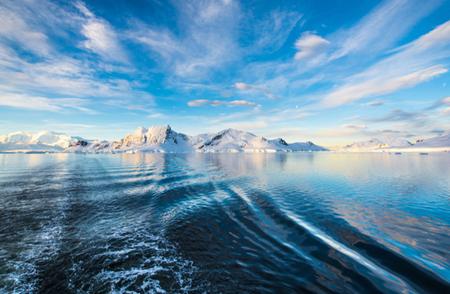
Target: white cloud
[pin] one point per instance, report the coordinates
(375, 103)
(203, 102)
(241, 103)
(271, 32)
(382, 27)
(446, 111)
(56, 74)
(207, 40)
(410, 65)
(310, 45)
(354, 126)
(100, 36)
(210, 10)
(41, 103)
(440, 103)
(362, 44)
(256, 88)
(242, 86)
(63, 77)
(379, 86)
(157, 115)
(15, 29)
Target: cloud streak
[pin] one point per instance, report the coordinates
(254, 88)
(206, 102)
(410, 65)
(49, 76)
(17, 31)
(207, 41)
(387, 22)
(100, 36)
(43, 103)
(444, 102)
(379, 85)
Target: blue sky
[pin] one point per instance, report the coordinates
(328, 71)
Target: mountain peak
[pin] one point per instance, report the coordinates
(156, 137)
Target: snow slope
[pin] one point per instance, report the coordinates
(364, 146)
(231, 140)
(437, 142)
(393, 144)
(153, 139)
(44, 141)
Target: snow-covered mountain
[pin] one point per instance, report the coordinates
(154, 139)
(231, 140)
(362, 146)
(391, 144)
(306, 146)
(436, 142)
(44, 141)
(165, 139)
(375, 144)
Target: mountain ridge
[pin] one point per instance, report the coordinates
(163, 139)
(390, 144)
(158, 139)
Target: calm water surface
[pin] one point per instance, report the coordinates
(247, 223)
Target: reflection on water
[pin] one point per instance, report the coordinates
(225, 223)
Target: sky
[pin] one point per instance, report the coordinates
(332, 72)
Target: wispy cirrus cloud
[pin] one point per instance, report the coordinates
(61, 76)
(401, 115)
(320, 55)
(206, 42)
(380, 85)
(381, 28)
(241, 86)
(100, 37)
(204, 102)
(47, 81)
(444, 102)
(43, 103)
(15, 29)
(414, 63)
(375, 103)
(424, 120)
(270, 33)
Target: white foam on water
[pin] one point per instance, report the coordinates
(22, 277)
(152, 258)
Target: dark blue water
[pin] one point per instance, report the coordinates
(230, 223)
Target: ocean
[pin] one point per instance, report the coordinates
(225, 223)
